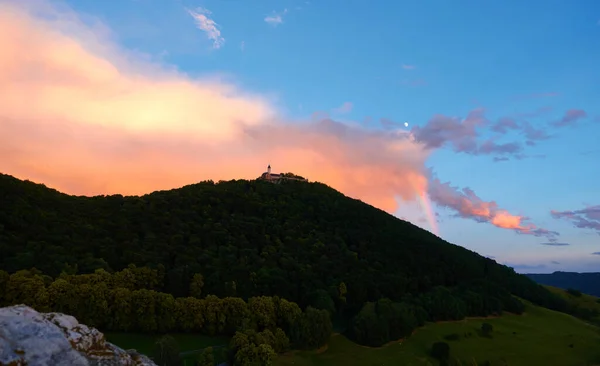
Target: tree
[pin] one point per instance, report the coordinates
(574, 292)
(255, 355)
(312, 329)
(166, 352)
(262, 310)
(342, 291)
(206, 358)
(196, 285)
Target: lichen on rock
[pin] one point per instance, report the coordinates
(30, 338)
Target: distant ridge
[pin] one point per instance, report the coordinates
(587, 282)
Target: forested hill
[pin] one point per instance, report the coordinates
(300, 241)
(588, 283)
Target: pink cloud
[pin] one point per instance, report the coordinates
(408, 67)
(206, 24)
(86, 117)
(570, 118)
(585, 218)
(467, 204)
(462, 135)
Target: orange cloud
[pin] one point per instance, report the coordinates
(467, 204)
(507, 221)
(86, 117)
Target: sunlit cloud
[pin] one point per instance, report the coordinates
(206, 24)
(467, 204)
(87, 117)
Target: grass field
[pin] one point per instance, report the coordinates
(541, 337)
(144, 343)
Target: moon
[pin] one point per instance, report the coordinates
(405, 124)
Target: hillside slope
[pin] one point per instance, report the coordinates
(300, 241)
(539, 337)
(588, 283)
(583, 306)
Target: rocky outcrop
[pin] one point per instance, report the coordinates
(53, 339)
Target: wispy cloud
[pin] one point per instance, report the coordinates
(276, 18)
(462, 135)
(346, 107)
(467, 204)
(505, 124)
(207, 25)
(242, 46)
(570, 118)
(596, 253)
(586, 218)
(556, 244)
(408, 67)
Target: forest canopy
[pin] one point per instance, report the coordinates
(297, 240)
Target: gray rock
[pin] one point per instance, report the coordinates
(53, 339)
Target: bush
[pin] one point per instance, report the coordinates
(166, 351)
(206, 358)
(440, 351)
(573, 292)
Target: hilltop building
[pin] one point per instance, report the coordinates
(277, 178)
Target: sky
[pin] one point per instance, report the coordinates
(476, 120)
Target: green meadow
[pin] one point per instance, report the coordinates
(538, 337)
(144, 343)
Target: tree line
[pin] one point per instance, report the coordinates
(260, 327)
(123, 301)
(385, 320)
(127, 300)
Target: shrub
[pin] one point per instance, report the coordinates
(166, 351)
(206, 358)
(573, 292)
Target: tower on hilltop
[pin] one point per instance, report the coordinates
(269, 176)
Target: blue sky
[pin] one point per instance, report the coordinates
(534, 62)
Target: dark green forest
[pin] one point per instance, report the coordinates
(221, 258)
